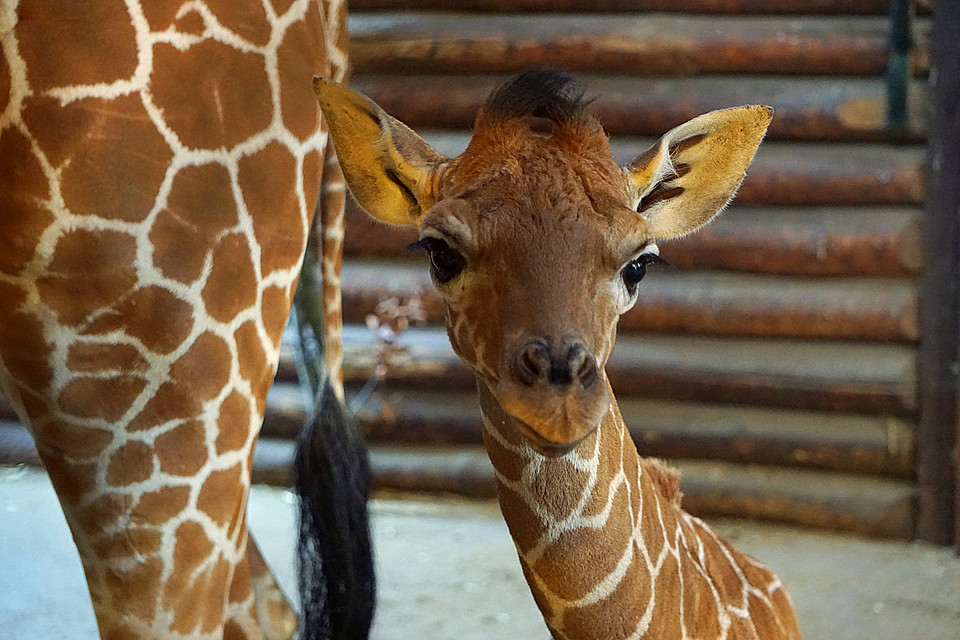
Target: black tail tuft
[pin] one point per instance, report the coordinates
(335, 559)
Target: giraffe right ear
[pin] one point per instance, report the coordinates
(387, 166)
(691, 174)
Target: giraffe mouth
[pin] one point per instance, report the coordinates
(501, 415)
(543, 446)
(553, 424)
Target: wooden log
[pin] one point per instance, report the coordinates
(772, 7)
(880, 445)
(841, 502)
(866, 506)
(671, 301)
(656, 44)
(827, 241)
(808, 174)
(763, 306)
(856, 378)
(831, 108)
(801, 174)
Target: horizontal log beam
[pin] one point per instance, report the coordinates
(878, 445)
(867, 506)
(835, 241)
(695, 302)
(735, 7)
(653, 44)
(805, 108)
(829, 241)
(855, 378)
(882, 509)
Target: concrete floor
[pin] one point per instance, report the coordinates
(447, 571)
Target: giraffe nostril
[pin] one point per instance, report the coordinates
(587, 372)
(581, 365)
(533, 363)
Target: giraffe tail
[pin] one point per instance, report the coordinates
(335, 559)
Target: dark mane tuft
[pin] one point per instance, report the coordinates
(541, 93)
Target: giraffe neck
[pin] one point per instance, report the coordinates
(609, 553)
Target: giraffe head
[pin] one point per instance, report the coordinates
(537, 239)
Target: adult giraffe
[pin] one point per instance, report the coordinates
(160, 163)
(537, 243)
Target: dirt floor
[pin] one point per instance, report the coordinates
(447, 571)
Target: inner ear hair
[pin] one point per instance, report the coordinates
(693, 171)
(668, 169)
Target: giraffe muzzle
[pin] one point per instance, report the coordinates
(554, 393)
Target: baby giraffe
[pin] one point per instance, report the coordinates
(538, 242)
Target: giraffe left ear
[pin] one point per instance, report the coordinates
(387, 166)
(691, 174)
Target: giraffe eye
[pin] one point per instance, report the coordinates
(445, 262)
(633, 273)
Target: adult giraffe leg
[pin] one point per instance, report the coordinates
(157, 186)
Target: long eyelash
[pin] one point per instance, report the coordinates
(654, 260)
(423, 243)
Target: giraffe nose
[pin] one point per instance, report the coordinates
(561, 367)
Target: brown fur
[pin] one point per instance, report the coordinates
(665, 478)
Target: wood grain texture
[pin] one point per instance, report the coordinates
(655, 44)
(774, 7)
(683, 302)
(809, 108)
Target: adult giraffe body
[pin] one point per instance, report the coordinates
(537, 243)
(160, 163)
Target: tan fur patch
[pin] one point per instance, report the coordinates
(205, 367)
(133, 462)
(205, 114)
(199, 208)
(221, 496)
(82, 54)
(105, 398)
(182, 450)
(268, 180)
(232, 284)
(154, 316)
(299, 108)
(172, 401)
(24, 218)
(90, 270)
(233, 423)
